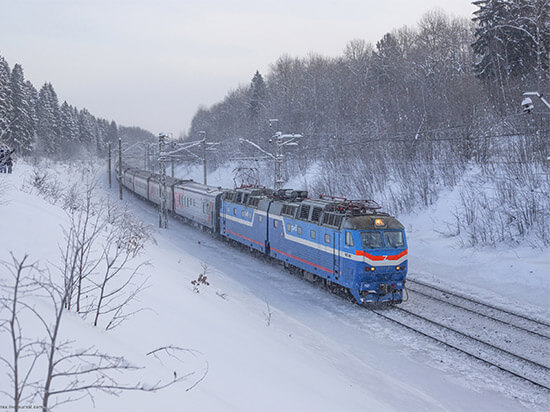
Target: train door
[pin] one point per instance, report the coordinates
(336, 254)
(223, 212)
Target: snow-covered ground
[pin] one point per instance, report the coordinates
(270, 341)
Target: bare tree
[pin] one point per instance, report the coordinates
(120, 281)
(25, 352)
(87, 221)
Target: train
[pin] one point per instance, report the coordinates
(349, 246)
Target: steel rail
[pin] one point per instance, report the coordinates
(504, 369)
(479, 313)
(519, 315)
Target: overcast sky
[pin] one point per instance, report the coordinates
(152, 63)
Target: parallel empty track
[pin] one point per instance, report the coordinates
(508, 340)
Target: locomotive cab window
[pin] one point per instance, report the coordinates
(371, 240)
(394, 239)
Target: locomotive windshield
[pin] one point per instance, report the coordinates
(394, 239)
(373, 240)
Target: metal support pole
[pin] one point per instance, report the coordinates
(278, 168)
(278, 156)
(109, 146)
(145, 159)
(120, 167)
(172, 162)
(163, 213)
(203, 134)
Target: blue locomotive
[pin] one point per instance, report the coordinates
(348, 245)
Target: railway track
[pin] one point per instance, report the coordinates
(510, 341)
(498, 314)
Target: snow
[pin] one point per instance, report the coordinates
(318, 352)
(516, 277)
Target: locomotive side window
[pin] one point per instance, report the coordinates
(313, 234)
(275, 223)
(371, 240)
(260, 218)
(235, 211)
(349, 239)
(288, 228)
(299, 230)
(327, 238)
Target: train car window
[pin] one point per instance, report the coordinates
(313, 234)
(327, 238)
(228, 209)
(349, 239)
(299, 230)
(316, 214)
(394, 239)
(288, 227)
(235, 211)
(260, 218)
(243, 213)
(275, 223)
(371, 240)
